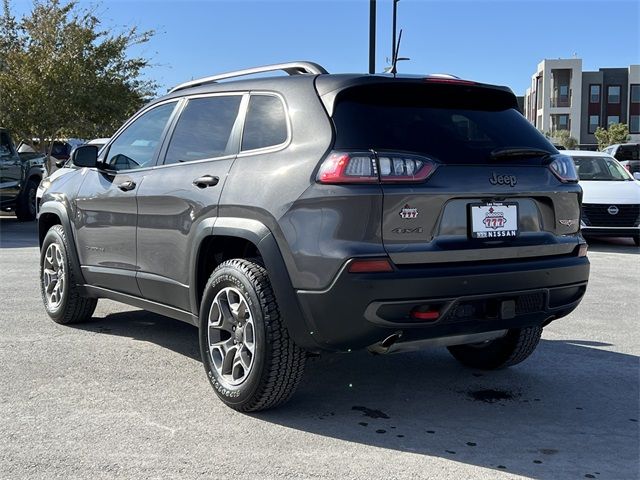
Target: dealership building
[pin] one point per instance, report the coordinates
(563, 97)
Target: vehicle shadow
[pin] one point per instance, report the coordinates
(145, 326)
(15, 234)
(570, 411)
(613, 245)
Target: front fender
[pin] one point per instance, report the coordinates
(46, 220)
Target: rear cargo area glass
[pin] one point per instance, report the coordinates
(450, 123)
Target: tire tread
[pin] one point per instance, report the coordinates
(284, 366)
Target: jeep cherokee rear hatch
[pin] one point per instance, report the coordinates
(465, 177)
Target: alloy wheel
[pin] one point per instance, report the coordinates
(53, 275)
(231, 335)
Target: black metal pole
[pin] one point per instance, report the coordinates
(393, 33)
(372, 36)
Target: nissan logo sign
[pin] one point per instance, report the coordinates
(613, 210)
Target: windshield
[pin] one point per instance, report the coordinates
(451, 125)
(600, 169)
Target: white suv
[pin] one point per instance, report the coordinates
(611, 199)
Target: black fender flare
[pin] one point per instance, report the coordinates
(260, 235)
(34, 171)
(58, 209)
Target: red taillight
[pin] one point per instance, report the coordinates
(404, 168)
(370, 266)
(357, 167)
(563, 167)
(342, 167)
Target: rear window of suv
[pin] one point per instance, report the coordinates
(452, 124)
(628, 152)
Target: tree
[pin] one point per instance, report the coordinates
(616, 133)
(564, 138)
(63, 75)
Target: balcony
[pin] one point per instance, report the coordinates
(561, 99)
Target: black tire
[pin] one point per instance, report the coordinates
(636, 240)
(502, 352)
(277, 363)
(26, 203)
(73, 307)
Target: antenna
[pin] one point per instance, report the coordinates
(393, 69)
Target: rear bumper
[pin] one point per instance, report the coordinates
(359, 310)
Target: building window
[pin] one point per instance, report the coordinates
(634, 123)
(594, 93)
(594, 123)
(613, 94)
(559, 122)
(635, 93)
(611, 119)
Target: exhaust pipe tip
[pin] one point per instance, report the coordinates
(385, 345)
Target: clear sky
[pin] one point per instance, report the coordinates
(485, 40)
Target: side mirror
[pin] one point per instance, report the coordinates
(636, 175)
(85, 156)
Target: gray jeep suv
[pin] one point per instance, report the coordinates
(307, 213)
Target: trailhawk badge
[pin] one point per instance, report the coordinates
(409, 212)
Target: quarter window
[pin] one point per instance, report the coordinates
(204, 129)
(266, 123)
(613, 94)
(137, 145)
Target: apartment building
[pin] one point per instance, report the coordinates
(563, 97)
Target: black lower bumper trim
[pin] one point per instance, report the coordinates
(361, 309)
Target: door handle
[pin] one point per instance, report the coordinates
(126, 186)
(206, 181)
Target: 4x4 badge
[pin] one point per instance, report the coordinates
(409, 212)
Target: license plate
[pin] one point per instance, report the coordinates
(494, 220)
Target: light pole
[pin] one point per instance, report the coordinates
(393, 33)
(372, 36)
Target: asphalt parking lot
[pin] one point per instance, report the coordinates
(125, 396)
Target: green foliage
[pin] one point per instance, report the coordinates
(562, 137)
(616, 133)
(63, 75)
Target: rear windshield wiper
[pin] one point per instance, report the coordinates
(517, 152)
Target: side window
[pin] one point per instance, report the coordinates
(5, 145)
(204, 129)
(266, 123)
(137, 145)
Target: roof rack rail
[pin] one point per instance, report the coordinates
(292, 68)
